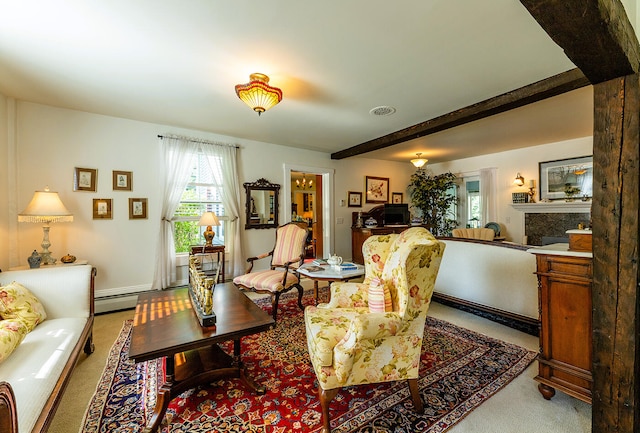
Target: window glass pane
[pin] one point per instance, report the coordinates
(202, 194)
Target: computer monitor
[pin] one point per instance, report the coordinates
(396, 214)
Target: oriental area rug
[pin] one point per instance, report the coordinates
(460, 369)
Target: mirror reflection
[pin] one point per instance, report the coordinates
(261, 204)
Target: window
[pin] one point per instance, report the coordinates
(202, 194)
(470, 209)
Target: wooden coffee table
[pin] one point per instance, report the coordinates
(165, 325)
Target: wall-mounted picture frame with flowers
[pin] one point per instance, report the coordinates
(377, 189)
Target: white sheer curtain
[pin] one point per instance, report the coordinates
(176, 157)
(223, 160)
(488, 194)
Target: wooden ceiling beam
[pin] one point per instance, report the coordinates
(547, 88)
(595, 34)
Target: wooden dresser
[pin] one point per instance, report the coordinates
(564, 297)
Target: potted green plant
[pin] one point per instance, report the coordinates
(433, 196)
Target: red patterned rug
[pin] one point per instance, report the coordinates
(460, 370)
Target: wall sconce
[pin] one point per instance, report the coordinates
(519, 180)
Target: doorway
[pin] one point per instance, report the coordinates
(307, 195)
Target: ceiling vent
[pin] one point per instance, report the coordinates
(382, 110)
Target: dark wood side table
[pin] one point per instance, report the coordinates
(211, 249)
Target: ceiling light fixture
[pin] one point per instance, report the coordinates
(519, 180)
(419, 162)
(258, 94)
(304, 184)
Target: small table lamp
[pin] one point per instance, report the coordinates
(45, 207)
(208, 219)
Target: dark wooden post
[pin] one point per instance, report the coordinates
(616, 330)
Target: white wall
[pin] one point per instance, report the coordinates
(50, 142)
(508, 164)
(43, 144)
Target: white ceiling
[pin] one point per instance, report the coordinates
(176, 62)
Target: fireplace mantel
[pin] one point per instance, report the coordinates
(554, 207)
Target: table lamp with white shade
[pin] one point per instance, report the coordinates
(45, 207)
(208, 219)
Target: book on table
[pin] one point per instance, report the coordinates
(348, 267)
(320, 262)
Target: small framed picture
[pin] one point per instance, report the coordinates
(396, 197)
(122, 180)
(355, 199)
(137, 208)
(102, 209)
(85, 179)
(377, 189)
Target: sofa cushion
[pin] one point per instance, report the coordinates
(17, 302)
(12, 332)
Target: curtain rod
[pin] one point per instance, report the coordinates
(197, 140)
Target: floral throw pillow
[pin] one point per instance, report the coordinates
(18, 303)
(379, 297)
(12, 332)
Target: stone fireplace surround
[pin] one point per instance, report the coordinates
(547, 223)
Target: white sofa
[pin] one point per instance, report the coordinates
(495, 279)
(34, 376)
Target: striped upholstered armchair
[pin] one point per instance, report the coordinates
(372, 331)
(286, 256)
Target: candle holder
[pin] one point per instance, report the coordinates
(532, 193)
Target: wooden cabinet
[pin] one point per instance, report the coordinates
(565, 359)
(359, 235)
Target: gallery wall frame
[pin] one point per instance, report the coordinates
(137, 208)
(102, 208)
(85, 179)
(396, 197)
(122, 180)
(377, 189)
(560, 173)
(354, 199)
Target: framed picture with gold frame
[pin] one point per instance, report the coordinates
(102, 208)
(122, 180)
(85, 179)
(137, 208)
(354, 199)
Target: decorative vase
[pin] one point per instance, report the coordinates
(34, 260)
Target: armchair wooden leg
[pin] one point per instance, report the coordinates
(274, 305)
(326, 395)
(415, 395)
(300, 293)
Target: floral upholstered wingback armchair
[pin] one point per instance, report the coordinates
(287, 255)
(372, 331)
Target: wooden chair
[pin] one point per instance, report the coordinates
(286, 256)
(359, 338)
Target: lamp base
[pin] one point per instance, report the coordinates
(208, 236)
(45, 254)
